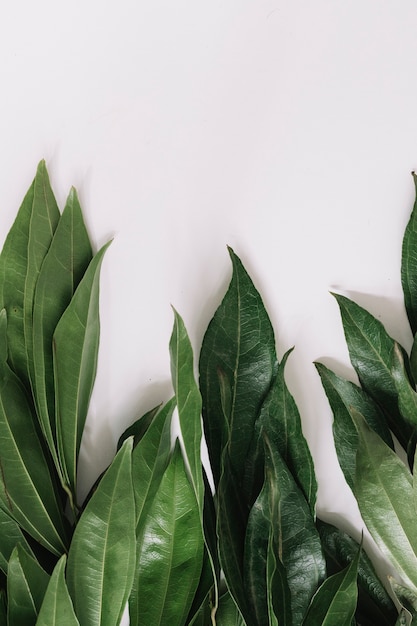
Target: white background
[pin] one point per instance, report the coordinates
(286, 129)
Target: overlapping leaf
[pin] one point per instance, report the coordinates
(75, 351)
(101, 558)
(62, 269)
(27, 489)
(26, 586)
(171, 548)
(57, 608)
(383, 489)
(409, 266)
(10, 535)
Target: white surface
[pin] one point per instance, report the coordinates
(285, 129)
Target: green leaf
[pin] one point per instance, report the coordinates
(409, 266)
(26, 586)
(3, 608)
(240, 343)
(334, 603)
(75, 351)
(170, 551)
(10, 535)
(279, 418)
(295, 534)
(101, 558)
(371, 353)
(138, 429)
(63, 267)
(20, 261)
(402, 619)
(383, 485)
(57, 609)
(228, 613)
(405, 596)
(278, 592)
(188, 403)
(374, 603)
(27, 489)
(344, 396)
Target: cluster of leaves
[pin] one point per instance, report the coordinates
(151, 533)
(375, 427)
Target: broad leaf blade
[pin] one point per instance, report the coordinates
(344, 396)
(334, 603)
(239, 341)
(75, 343)
(170, 551)
(409, 266)
(63, 267)
(26, 586)
(57, 608)
(101, 558)
(371, 353)
(383, 484)
(228, 613)
(27, 487)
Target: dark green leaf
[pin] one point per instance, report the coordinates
(344, 396)
(382, 485)
(63, 267)
(279, 595)
(101, 558)
(374, 603)
(334, 603)
(139, 428)
(409, 266)
(405, 596)
(240, 343)
(10, 535)
(75, 351)
(26, 586)
(228, 613)
(295, 534)
(371, 353)
(57, 609)
(170, 551)
(27, 489)
(3, 608)
(280, 420)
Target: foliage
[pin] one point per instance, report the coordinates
(151, 534)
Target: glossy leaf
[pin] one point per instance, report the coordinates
(63, 267)
(57, 609)
(101, 558)
(27, 490)
(279, 418)
(334, 603)
(170, 551)
(344, 396)
(371, 353)
(295, 534)
(278, 592)
(10, 535)
(240, 343)
(75, 351)
(382, 485)
(407, 396)
(26, 586)
(374, 603)
(409, 266)
(138, 429)
(23, 253)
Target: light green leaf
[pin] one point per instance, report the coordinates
(383, 485)
(57, 609)
(334, 603)
(26, 586)
(10, 535)
(63, 267)
(75, 351)
(101, 558)
(27, 489)
(344, 396)
(170, 551)
(409, 266)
